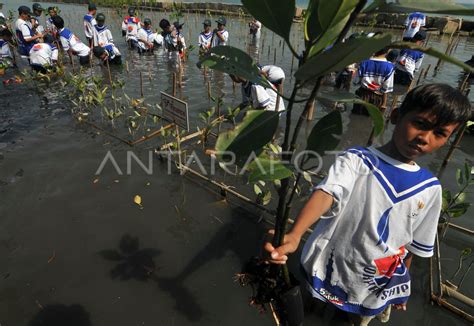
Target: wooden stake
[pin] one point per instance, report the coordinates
(419, 77)
(426, 71)
(309, 117)
(141, 84)
(126, 67)
(209, 89)
(174, 84)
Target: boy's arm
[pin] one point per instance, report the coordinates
(319, 203)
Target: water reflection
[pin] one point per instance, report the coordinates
(61, 315)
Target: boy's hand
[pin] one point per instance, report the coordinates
(402, 306)
(279, 255)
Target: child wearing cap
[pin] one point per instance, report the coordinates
(52, 11)
(102, 33)
(24, 32)
(107, 54)
(180, 42)
(375, 210)
(35, 18)
(71, 43)
(146, 37)
(131, 13)
(205, 37)
(221, 35)
(131, 24)
(409, 61)
(89, 23)
(43, 56)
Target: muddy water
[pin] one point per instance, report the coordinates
(68, 238)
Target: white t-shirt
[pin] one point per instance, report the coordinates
(25, 28)
(43, 54)
(382, 208)
(217, 40)
(255, 28)
(413, 23)
(260, 97)
(71, 41)
(149, 36)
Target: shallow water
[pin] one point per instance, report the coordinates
(56, 222)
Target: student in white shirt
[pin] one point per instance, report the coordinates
(413, 23)
(24, 31)
(102, 33)
(52, 11)
(44, 56)
(5, 39)
(89, 23)
(257, 96)
(255, 28)
(71, 43)
(108, 53)
(146, 37)
(35, 18)
(180, 41)
(205, 37)
(221, 35)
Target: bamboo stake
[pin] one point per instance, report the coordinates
(209, 95)
(141, 84)
(178, 140)
(153, 134)
(174, 85)
(309, 117)
(419, 77)
(426, 71)
(126, 67)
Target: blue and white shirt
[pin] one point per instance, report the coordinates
(102, 36)
(204, 40)
(259, 97)
(112, 51)
(413, 23)
(376, 75)
(50, 26)
(89, 23)
(382, 209)
(71, 41)
(4, 49)
(217, 40)
(409, 61)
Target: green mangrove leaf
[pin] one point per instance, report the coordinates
(341, 55)
(447, 197)
(276, 15)
(466, 252)
(434, 53)
(268, 170)
(254, 132)
(325, 135)
(233, 61)
(332, 16)
(458, 209)
(374, 112)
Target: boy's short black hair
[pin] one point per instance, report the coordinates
(51, 9)
(91, 7)
(58, 22)
(98, 51)
(164, 24)
(5, 33)
(382, 51)
(448, 104)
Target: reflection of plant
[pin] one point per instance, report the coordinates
(463, 256)
(455, 205)
(132, 262)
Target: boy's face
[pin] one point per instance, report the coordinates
(52, 13)
(417, 134)
(220, 27)
(100, 23)
(207, 28)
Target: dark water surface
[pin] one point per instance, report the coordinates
(73, 245)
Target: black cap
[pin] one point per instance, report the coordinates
(164, 23)
(392, 55)
(147, 21)
(98, 51)
(37, 7)
(207, 22)
(419, 36)
(221, 21)
(177, 25)
(100, 17)
(48, 38)
(91, 7)
(24, 10)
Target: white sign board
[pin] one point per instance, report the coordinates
(175, 110)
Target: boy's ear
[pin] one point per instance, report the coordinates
(394, 116)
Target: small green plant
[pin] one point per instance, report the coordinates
(455, 205)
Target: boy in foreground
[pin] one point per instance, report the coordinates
(376, 208)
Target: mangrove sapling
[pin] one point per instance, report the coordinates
(456, 205)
